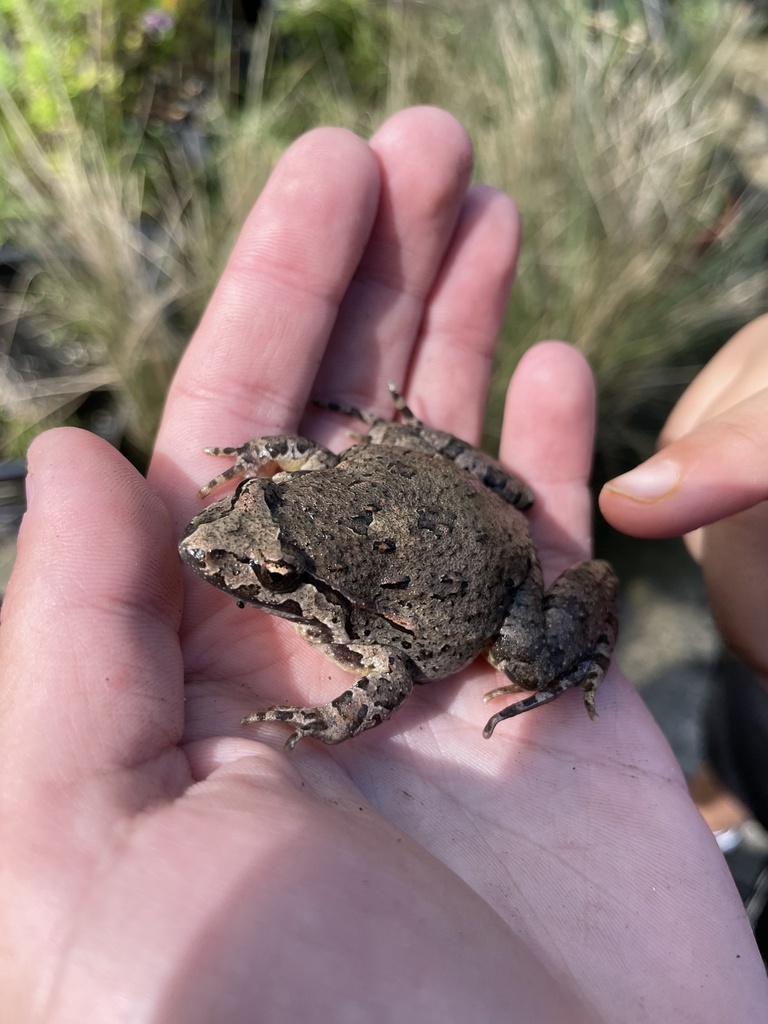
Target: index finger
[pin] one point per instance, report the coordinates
(250, 366)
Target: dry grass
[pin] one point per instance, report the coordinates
(619, 155)
(123, 253)
(617, 151)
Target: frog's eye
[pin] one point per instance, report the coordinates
(278, 577)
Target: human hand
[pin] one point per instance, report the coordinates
(161, 863)
(710, 481)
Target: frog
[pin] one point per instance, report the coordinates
(402, 558)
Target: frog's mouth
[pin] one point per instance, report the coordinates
(289, 610)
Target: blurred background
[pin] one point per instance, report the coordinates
(633, 135)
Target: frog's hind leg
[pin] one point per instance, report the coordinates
(588, 674)
(564, 640)
(367, 703)
(368, 417)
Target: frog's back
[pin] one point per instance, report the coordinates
(426, 556)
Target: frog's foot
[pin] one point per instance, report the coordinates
(368, 417)
(347, 410)
(369, 702)
(588, 675)
(266, 456)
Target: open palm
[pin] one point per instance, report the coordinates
(162, 863)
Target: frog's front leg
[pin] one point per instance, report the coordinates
(265, 456)
(563, 638)
(370, 701)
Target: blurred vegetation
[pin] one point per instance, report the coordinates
(134, 140)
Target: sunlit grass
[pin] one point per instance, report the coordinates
(122, 251)
(617, 149)
(619, 154)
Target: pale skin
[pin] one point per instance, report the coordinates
(709, 481)
(161, 863)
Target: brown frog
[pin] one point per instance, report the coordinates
(402, 559)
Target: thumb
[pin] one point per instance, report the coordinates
(89, 648)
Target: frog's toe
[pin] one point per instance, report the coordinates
(538, 698)
(499, 691)
(587, 674)
(306, 721)
(368, 703)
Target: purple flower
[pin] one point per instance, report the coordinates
(155, 23)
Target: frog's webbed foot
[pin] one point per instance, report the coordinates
(580, 628)
(367, 703)
(265, 456)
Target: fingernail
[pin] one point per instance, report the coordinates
(649, 482)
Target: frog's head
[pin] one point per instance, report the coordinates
(236, 544)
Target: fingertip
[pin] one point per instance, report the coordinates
(552, 388)
(319, 199)
(548, 360)
(426, 122)
(715, 471)
(638, 517)
(89, 512)
(426, 153)
(335, 148)
(53, 457)
(653, 480)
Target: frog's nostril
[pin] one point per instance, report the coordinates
(191, 554)
(198, 557)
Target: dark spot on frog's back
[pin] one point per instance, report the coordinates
(360, 523)
(384, 546)
(398, 583)
(449, 585)
(407, 470)
(436, 519)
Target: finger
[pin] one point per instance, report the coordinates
(718, 469)
(737, 371)
(250, 367)
(547, 439)
(451, 367)
(425, 159)
(89, 640)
